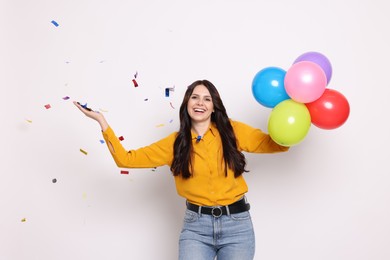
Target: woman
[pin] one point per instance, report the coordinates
(206, 159)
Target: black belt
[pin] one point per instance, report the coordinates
(217, 211)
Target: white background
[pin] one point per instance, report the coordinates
(327, 198)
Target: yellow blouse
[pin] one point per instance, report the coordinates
(208, 186)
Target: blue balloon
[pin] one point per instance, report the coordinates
(268, 86)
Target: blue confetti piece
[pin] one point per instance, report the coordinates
(55, 23)
(102, 141)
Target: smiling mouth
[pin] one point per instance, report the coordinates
(198, 110)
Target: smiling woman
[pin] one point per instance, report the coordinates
(206, 159)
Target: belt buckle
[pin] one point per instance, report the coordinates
(218, 212)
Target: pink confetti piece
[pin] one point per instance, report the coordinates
(47, 106)
(65, 98)
(124, 172)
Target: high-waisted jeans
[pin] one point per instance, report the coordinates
(228, 237)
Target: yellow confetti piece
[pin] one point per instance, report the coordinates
(23, 220)
(160, 125)
(103, 110)
(30, 121)
(84, 195)
(84, 152)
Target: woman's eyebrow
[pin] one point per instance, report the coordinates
(193, 94)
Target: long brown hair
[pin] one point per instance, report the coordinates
(233, 158)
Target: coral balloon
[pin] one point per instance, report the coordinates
(305, 81)
(289, 122)
(330, 111)
(319, 59)
(268, 86)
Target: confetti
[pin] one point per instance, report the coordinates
(54, 180)
(23, 220)
(170, 121)
(171, 105)
(121, 138)
(103, 110)
(160, 125)
(198, 138)
(124, 172)
(167, 91)
(30, 121)
(55, 23)
(136, 74)
(84, 195)
(135, 83)
(84, 152)
(101, 141)
(47, 106)
(65, 98)
(146, 99)
(85, 107)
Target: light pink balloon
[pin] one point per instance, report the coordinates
(305, 81)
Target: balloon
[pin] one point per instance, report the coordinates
(330, 111)
(289, 122)
(305, 81)
(319, 59)
(268, 86)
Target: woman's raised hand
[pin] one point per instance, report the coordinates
(95, 115)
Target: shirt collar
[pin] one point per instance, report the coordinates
(212, 130)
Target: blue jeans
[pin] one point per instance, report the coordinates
(228, 237)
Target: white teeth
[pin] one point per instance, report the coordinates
(199, 110)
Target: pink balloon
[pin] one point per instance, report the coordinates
(305, 81)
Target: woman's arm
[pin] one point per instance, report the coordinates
(254, 140)
(154, 155)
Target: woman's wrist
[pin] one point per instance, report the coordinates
(103, 124)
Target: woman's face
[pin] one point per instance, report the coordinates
(200, 105)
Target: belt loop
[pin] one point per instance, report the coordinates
(227, 210)
(200, 210)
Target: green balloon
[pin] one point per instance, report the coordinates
(289, 122)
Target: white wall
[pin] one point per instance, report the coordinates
(327, 198)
